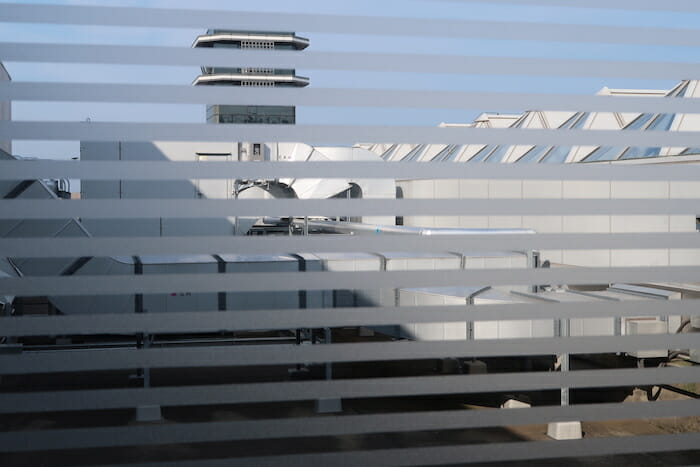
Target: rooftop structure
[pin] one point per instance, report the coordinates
(537, 119)
(251, 76)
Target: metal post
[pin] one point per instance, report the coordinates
(329, 340)
(565, 362)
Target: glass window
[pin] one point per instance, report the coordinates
(692, 151)
(443, 154)
(413, 153)
(454, 153)
(570, 121)
(681, 92)
(604, 153)
(533, 155)
(662, 122)
(579, 123)
(497, 155)
(557, 155)
(639, 122)
(483, 154)
(640, 153)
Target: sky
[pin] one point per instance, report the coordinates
(421, 80)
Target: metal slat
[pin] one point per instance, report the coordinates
(355, 61)
(15, 170)
(336, 24)
(312, 134)
(320, 97)
(325, 280)
(464, 454)
(145, 246)
(336, 134)
(213, 208)
(114, 359)
(214, 321)
(331, 426)
(102, 399)
(634, 5)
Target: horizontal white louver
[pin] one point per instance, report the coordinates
(530, 281)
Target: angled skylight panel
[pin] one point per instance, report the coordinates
(604, 153)
(389, 153)
(570, 121)
(431, 151)
(467, 151)
(680, 90)
(483, 154)
(534, 155)
(577, 121)
(401, 151)
(640, 122)
(662, 122)
(498, 155)
(607, 153)
(557, 155)
(455, 153)
(414, 153)
(446, 154)
(640, 153)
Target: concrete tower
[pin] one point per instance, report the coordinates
(259, 77)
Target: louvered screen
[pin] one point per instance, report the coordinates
(313, 271)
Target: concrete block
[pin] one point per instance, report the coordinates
(148, 413)
(634, 327)
(329, 405)
(448, 366)
(564, 430)
(475, 367)
(515, 404)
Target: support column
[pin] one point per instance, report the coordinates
(144, 413)
(329, 405)
(572, 429)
